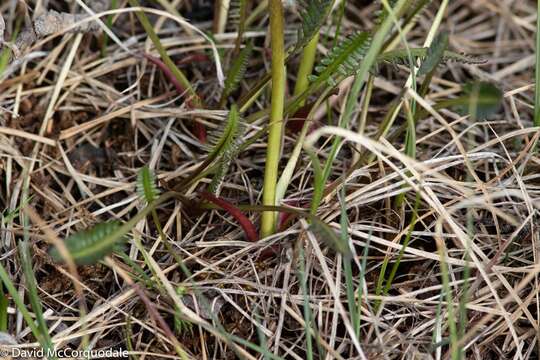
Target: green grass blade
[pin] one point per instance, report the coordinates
(307, 309)
(33, 296)
(455, 349)
(404, 246)
(178, 74)
(19, 302)
(3, 308)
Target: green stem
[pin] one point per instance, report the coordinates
(254, 14)
(306, 66)
(171, 251)
(336, 143)
(3, 309)
(276, 115)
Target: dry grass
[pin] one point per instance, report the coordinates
(75, 128)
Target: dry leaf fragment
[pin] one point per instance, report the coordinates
(48, 23)
(25, 39)
(52, 22)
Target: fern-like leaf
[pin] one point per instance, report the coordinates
(382, 13)
(313, 14)
(237, 70)
(434, 55)
(237, 10)
(146, 185)
(225, 144)
(401, 57)
(89, 246)
(343, 60)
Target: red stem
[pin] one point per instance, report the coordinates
(193, 58)
(200, 130)
(167, 72)
(246, 224)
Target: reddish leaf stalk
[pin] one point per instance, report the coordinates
(237, 214)
(193, 58)
(200, 132)
(285, 218)
(167, 72)
(199, 129)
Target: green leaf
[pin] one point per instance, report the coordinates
(91, 245)
(237, 71)
(10, 214)
(480, 100)
(226, 142)
(343, 60)
(146, 185)
(235, 15)
(435, 54)
(382, 13)
(401, 57)
(313, 14)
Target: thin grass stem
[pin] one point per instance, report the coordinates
(178, 74)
